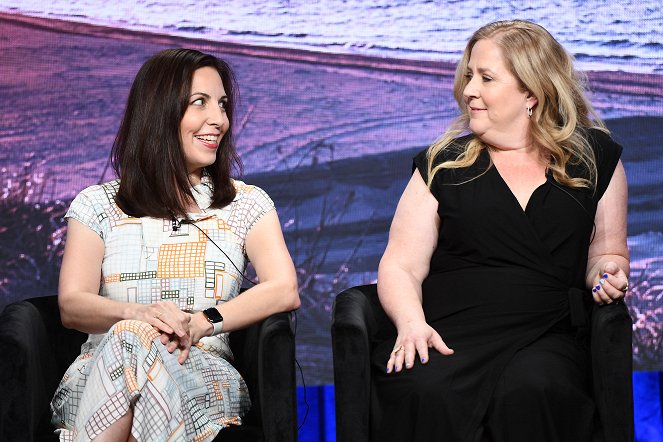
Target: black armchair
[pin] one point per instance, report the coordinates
(35, 351)
(358, 320)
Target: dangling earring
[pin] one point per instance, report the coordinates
(529, 112)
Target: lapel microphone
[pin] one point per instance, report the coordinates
(176, 224)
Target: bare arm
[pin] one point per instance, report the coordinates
(277, 290)
(403, 267)
(608, 261)
(82, 308)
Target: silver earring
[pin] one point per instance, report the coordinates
(529, 112)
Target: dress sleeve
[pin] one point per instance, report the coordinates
(420, 163)
(252, 204)
(607, 153)
(87, 209)
(261, 204)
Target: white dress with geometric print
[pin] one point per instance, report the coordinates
(145, 261)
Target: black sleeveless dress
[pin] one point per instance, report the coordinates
(503, 282)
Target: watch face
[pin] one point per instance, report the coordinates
(213, 315)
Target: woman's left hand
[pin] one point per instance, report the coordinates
(173, 342)
(197, 328)
(170, 316)
(610, 285)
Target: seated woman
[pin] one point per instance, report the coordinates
(507, 221)
(154, 262)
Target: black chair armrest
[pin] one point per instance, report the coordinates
(278, 383)
(612, 367)
(267, 364)
(352, 328)
(36, 351)
(27, 359)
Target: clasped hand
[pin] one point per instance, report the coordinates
(610, 285)
(174, 326)
(414, 338)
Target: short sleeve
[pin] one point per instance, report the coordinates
(250, 205)
(88, 208)
(445, 176)
(607, 153)
(259, 204)
(420, 163)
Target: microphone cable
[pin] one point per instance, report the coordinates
(176, 224)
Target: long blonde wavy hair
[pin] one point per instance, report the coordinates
(545, 69)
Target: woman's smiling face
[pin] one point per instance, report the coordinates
(204, 122)
(496, 104)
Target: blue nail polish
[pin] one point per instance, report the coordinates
(388, 370)
(598, 287)
(593, 290)
(423, 360)
(601, 281)
(605, 275)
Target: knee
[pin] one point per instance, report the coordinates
(541, 385)
(421, 383)
(524, 385)
(131, 329)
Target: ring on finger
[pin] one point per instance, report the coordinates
(625, 289)
(397, 349)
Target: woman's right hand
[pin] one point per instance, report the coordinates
(198, 327)
(174, 325)
(415, 338)
(413, 237)
(166, 317)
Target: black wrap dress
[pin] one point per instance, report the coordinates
(503, 282)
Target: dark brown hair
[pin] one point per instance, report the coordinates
(147, 153)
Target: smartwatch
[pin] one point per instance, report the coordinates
(214, 318)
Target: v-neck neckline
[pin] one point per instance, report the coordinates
(508, 189)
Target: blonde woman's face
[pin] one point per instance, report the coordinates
(495, 104)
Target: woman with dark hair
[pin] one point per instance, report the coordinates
(508, 221)
(154, 262)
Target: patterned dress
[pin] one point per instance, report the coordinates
(146, 261)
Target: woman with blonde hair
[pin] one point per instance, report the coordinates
(508, 221)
